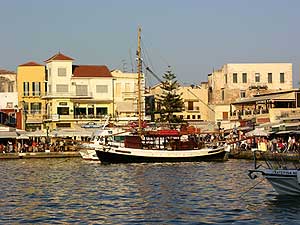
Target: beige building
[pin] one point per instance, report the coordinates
(8, 89)
(196, 108)
(125, 96)
(238, 81)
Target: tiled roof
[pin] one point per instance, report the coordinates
(59, 56)
(91, 71)
(31, 64)
(3, 71)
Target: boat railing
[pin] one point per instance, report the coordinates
(274, 160)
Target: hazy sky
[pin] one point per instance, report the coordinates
(191, 36)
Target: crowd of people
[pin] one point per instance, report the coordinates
(39, 145)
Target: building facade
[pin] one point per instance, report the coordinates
(238, 81)
(195, 97)
(31, 87)
(9, 97)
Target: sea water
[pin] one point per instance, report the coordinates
(74, 191)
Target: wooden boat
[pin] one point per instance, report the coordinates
(159, 146)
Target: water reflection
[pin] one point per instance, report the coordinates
(75, 191)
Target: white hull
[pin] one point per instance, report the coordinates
(285, 182)
(88, 154)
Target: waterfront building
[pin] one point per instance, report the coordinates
(84, 96)
(9, 97)
(76, 94)
(31, 86)
(195, 98)
(238, 81)
(125, 94)
(268, 109)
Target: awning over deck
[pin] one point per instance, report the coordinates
(275, 97)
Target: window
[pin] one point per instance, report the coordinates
(257, 77)
(11, 86)
(199, 117)
(223, 94)
(63, 110)
(36, 88)
(9, 105)
(234, 77)
(25, 106)
(61, 125)
(35, 107)
(101, 89)
(281, 77)
(62, 88)
(62, 72)
(190, 105)
(101, 111)
(181, 116)
(188, 117)
(81, 90)
(127, 87)
(243, 94)
(270, 78)
(26, 88)
(244, 77)
(225, 78)
(194, 117)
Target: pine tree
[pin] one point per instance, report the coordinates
(169, 101)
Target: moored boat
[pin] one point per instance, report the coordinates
(284, 177)
(159, 146)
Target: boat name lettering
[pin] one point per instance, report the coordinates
(283, 172)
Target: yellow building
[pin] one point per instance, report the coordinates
(31, 86)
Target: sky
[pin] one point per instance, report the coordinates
(194, 37)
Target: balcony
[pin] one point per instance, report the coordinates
(258, 86)
(68, 95)
(194, 109)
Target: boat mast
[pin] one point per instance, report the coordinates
(139, 68)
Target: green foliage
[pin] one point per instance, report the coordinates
(169, 101)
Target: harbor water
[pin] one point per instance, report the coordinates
(74, 191)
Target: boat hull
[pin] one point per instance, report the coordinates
(285, 182)
(159, 156)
